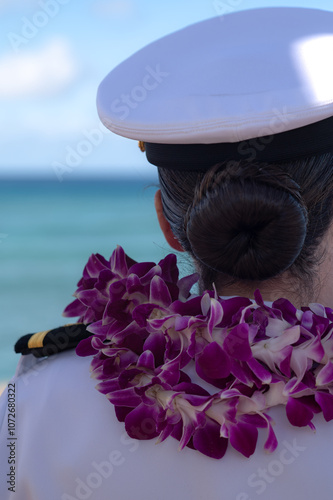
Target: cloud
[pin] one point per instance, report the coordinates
(62, 118)
(38, 73)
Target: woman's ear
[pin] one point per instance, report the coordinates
(164, 224)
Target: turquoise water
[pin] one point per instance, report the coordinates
(47, 232)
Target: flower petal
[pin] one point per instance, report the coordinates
(298, 414)
(325, 401)
(325, 375)
(243, 437)
(214, 362)
(237, 343)
(208, 441)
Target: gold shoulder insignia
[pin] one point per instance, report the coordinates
(52, 341)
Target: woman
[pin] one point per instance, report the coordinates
(238, 116)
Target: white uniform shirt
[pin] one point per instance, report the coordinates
(70, 446)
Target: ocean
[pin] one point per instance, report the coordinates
(48, 230)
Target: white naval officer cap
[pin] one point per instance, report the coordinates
(255, 83)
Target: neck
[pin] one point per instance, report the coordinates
(300, 293)
(271, 290)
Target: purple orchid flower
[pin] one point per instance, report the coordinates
(199, 368)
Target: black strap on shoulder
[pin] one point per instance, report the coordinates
(51, 342)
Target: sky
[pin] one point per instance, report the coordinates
(53, 55)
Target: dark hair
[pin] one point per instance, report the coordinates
(246, 220)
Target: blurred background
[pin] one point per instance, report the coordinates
(68, 187)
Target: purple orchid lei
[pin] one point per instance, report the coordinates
(149, 334)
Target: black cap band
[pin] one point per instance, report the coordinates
(310, 140)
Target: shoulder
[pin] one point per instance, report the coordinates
(70, 443)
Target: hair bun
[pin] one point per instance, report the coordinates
(247, 221)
